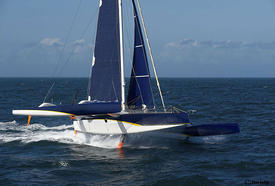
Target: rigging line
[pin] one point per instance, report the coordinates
(62, 51)
(133, 70)
(90, 58)
(114, 89)
(134, 100)
(49, 91)
(81, 36)
(67, 38)
(151, 55)
(127, 32)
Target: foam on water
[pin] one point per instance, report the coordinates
(13, 131)
(214, 139)
(217, 139)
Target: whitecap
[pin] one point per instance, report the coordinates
(13, 131)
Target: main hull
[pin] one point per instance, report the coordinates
(101, 126)
(132, 123)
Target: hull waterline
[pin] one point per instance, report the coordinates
(115, 127)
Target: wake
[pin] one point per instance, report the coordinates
(13, 131)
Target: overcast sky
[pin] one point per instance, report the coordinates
(189, 38)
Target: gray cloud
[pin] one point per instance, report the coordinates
(76, 46)
(51, 42)
(79, 42)
(79, 46)
(191, 43)
(42, 57)
(194, 58)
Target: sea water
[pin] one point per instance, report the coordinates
(48, 152)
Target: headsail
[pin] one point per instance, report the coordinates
(105, 82)
(140, 90)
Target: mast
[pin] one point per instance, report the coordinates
(121, 56)
(151, 56)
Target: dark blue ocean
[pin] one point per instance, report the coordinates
(48, 153)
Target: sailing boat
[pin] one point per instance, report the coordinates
(106, 111)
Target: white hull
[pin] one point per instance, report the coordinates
(39, 113)
(102, 126)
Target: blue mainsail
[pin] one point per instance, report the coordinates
(140, 90)
(105, 81)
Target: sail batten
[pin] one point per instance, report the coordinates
(105, 80)
(140, 76)
(140, 90)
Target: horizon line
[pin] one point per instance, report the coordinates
(129, 77)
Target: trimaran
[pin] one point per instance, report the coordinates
(107, 111)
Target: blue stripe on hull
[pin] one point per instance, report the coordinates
(156, 118)
(148, 118)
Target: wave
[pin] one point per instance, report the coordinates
(13, 131)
